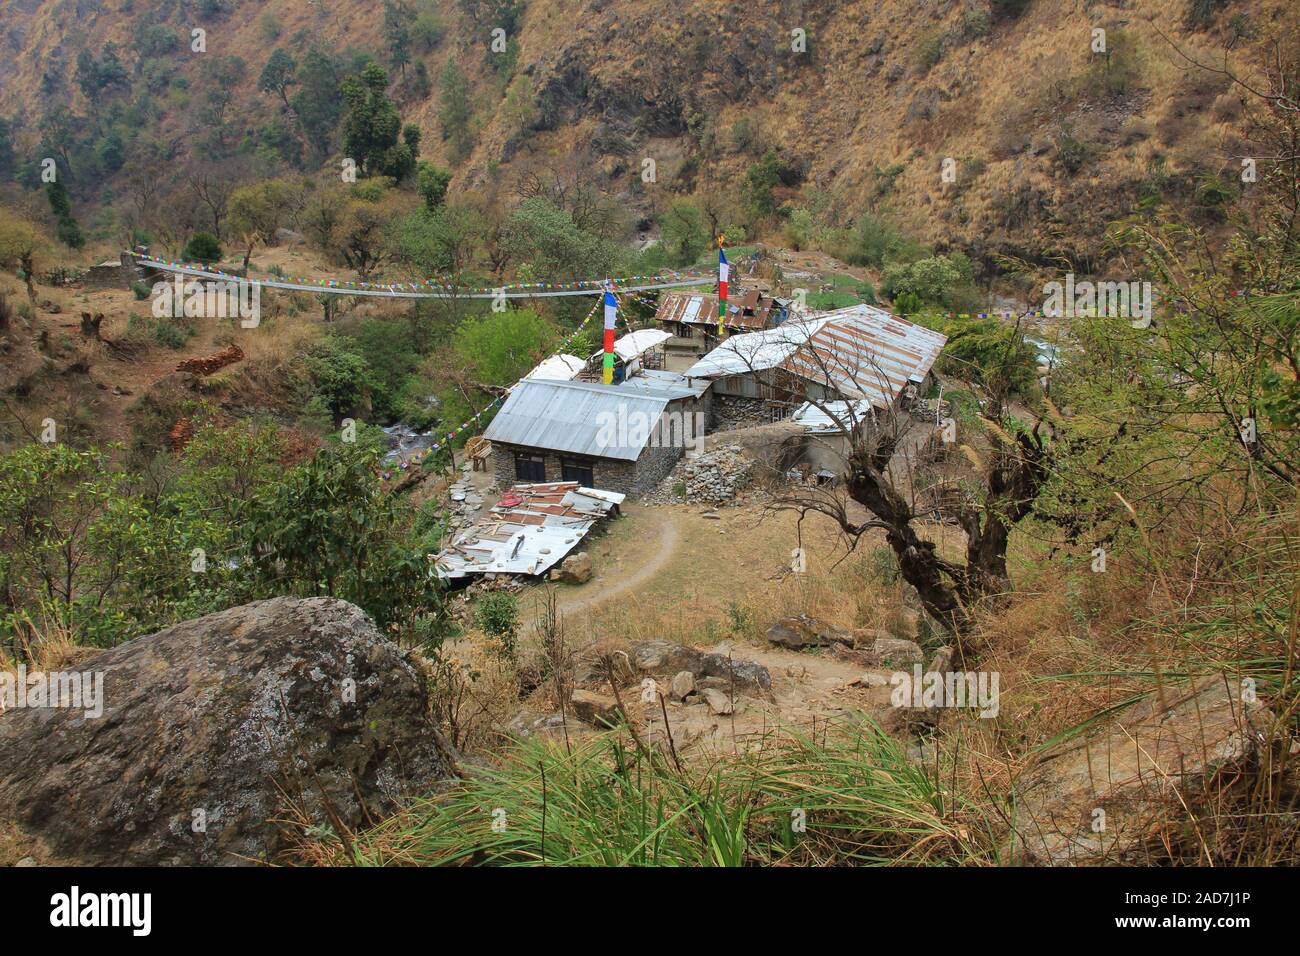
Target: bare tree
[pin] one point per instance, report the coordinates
(845, 381)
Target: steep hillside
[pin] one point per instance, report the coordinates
(991, 127)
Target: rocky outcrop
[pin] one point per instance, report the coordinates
(801, 631)
(1145, 776)
(216, 728)
(665, 660)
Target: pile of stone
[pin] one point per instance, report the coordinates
(464, 502)
(931, 410)
(714, 477)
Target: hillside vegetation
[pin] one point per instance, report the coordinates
(994, 128)
(1110, 532)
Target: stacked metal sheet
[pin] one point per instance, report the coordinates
(531, 529)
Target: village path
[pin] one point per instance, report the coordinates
(660, 540)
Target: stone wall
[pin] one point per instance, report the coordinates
(608, 474)
(734, 411)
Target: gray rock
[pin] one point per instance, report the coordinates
(1166, 757)
(718, 702)
(224, 715)
(575, 569)
(665, 657)
(598, 710)
(801, 631)
(683, 685)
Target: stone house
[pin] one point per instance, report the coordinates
(859, 353)
(624, 438)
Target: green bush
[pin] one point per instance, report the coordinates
(497, 615)
(203, 247)
(340, 377)
(929, 51)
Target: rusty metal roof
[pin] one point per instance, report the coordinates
(749, 310)
(530, 530)
(862, 351)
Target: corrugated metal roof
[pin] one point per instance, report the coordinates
(695, 308)
(754, 351)
(531, 529)
(832, 417)
(581, 418)
(563, 368)
(863, 351)
(643, 340)
(671, 383)
(687, 307)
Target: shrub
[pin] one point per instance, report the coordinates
(1073, 152)
(497, 615)
(340, 376)
(929, 51)
(203, 247)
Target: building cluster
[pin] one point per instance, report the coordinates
(679, 381)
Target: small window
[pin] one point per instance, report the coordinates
(573, 469)
(530, 467)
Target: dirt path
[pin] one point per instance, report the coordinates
(659, 545)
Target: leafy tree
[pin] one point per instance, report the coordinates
(934, 280)
(329, 528)
(373, 135)
(340, 376)
(427, 31)
(762, 178)
(154, 40)
(8, 164)
(68, 534)
(68, 231)
(278, 75)
(455, 110)
(551, 243)
(386, 348)
(437, 244)
(203, 247)
(497, 615)
(365, 222)
(23, 247)
(317, 103)
(397, 34)
(257, 211)
(505, 14)
(219, 78)
(96, 75)
(500, 347)
(684, 236)
(432, 182)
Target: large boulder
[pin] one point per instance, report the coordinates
(800, 631)
(665, 660)
(1156, 764)
(575, 569)
(213, 729)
